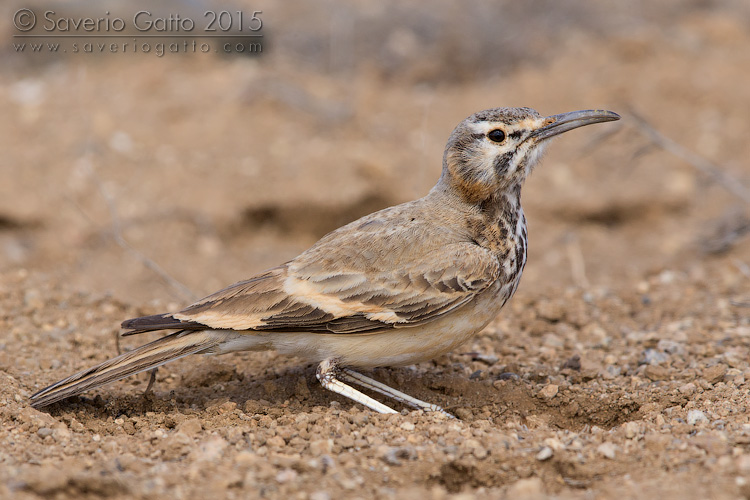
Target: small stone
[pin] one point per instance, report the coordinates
(549, 391)
(321, 447)
(695, 417)
(286, 476)
(190, 427)
(33, 299)
(714, 374)
(656, 372)
(671, 347)
(276, 442)
(556, 444)
(552, 311)
(245, 459)
(688, 389)
(489, 359)
(62, 434)
(463, 413)
(77, 426)
(654, 357)
(743, 463)
(545, 454)
(43, 432)
(472, 443)
(345, 441)
(713, 445)
(607, 450)
(210, 450)
(393, 456)
(177, 445)
(631, 430)
(573, 363)
(526, 488)
(121, 142)
(553, 341)
(476, 448)
(407, 426)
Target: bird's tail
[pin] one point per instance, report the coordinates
(146, 357)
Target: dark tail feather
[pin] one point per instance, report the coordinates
(146, 357)
(158, 322)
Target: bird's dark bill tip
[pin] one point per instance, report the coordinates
(557, 124)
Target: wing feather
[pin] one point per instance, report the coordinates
(355, 280)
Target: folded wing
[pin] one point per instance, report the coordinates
(369, 285)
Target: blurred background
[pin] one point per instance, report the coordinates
(134, 173)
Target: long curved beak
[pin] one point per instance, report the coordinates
(557, 124)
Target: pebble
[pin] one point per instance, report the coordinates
(286, 475)
(556, 444)
(177, 445)
(489, 359)
(476, 448)
(393, 456)
(631, 430)
(463, 413)
(714, 374)
(33, 299)
(480, 452)
(549, 391)
(545, 454)
(688, 389)
(245, 458)
(696, 416)
(191, 427)
(211, 449)
(671, 347)
(526, 488)
(43, 432)
(552, 311)
(743, 463)
(321, 447)
(345, 441)
(407, 426)
(607, 450)
(276, 442)
(654, 357)
(656, 372)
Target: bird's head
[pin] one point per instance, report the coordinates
(495, 150)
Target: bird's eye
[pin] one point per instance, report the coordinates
(496, 135)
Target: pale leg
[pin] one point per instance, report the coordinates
(372, 384)
(326, 373)
(329, 374)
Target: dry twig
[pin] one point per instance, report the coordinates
(177, 286)
(727, 181)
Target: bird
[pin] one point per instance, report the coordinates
(400, 286)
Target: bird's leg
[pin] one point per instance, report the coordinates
(151, 380)
(326, 374)
(372, 384)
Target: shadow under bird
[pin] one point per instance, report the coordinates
(396, 287)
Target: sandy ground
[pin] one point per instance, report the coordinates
(619, 369)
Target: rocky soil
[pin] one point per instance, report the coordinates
(132, 186)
